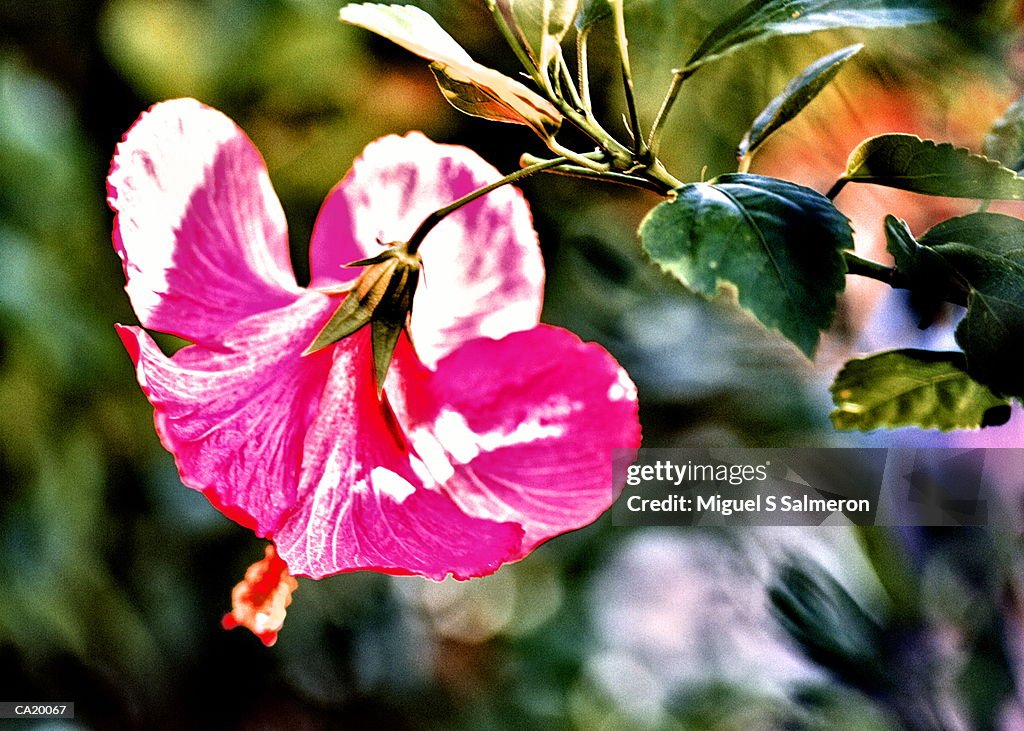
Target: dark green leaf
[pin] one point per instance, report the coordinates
(922, 166)
(993, 232)
(913, 388)
(828, 624)
(777, 242)
(1005, 141)
(992, 331)
(990, 269)
(800, 92)
(763, 19)
(923, 271)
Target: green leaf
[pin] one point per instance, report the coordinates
(922, 166)
(993, 232)
(923, 270)
(778, 243)
(828, 624)
(764, 19)
(800, 92)
(469, 86)
(913, 388)
(992, 331)
(1005, 141)
(990, 269)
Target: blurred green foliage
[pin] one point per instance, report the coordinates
(114, 576)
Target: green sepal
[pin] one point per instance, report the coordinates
(385, 338)
(352, 314)
(382, 296)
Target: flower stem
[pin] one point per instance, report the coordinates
(639, 145)
(439, 215)
(870, 269)
(890, 275)
(582, 69)
(835, 189)
(678, 77)
(578, 171)
(566, 75)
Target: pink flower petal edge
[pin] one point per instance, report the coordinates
(198, 227)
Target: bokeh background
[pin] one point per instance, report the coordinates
(113, 576)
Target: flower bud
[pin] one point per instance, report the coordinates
(381, 297)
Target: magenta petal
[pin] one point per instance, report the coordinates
(199, 229)
(523, 429)
(367, 502)
(483, 273)
(235, 417)
(300, 449)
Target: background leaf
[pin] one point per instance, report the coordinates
(913, 388)
(763, 19)
(922, 166)
(798, 94)
(592, 11)
(779, 243)
(541, 23)
(1005, 141)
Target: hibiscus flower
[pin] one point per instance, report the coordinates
(492, 433)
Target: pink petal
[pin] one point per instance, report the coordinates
(199, 229)
(366, 502)
(523, 429)
(300, 449)
(483, 273)
(235, 417)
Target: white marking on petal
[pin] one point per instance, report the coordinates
(430, 450)
(391, 484)
(526, 432)
(623, 389)
(455, 436)
(509, 319)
